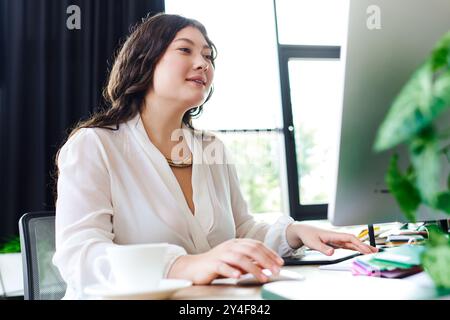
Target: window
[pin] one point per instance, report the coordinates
(312, 22)
(315, 101)
(277, 90)
(310, 35)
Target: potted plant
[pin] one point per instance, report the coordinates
(11, 278)
(11, 246)
(412, 120)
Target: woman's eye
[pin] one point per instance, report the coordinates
(187, 50)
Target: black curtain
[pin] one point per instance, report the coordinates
(50, 78)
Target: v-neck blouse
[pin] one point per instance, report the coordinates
(115, 187)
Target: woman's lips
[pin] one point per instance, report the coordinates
(198, 83)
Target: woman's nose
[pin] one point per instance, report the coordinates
(202, 64)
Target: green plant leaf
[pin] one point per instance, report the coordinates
(441, 53)
(436, 237)
(425, 157)
(406, 116)
(407, 196)
(421, 100)
(436, 262)
(441, 89)
(443, 201)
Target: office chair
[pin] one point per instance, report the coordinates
(41, 278)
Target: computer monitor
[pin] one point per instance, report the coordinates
(387, 40)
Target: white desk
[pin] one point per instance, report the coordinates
(321, 284)
(318, 284)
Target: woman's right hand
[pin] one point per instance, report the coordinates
(230, 259)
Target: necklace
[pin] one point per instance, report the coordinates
(186, 162)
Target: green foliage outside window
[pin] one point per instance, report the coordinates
(257, 162)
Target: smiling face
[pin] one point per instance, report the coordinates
(185, 72)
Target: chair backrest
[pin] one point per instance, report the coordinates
(41, 279)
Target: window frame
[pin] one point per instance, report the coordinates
(285, 53)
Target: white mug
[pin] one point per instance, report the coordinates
(137, 267)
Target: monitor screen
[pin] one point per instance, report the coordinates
(387, 41)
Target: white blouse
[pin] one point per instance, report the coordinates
(116, 187)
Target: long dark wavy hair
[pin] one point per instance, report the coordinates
(132, 73)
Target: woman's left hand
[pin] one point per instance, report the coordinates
(325, 241)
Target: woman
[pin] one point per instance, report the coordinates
(126, 178)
